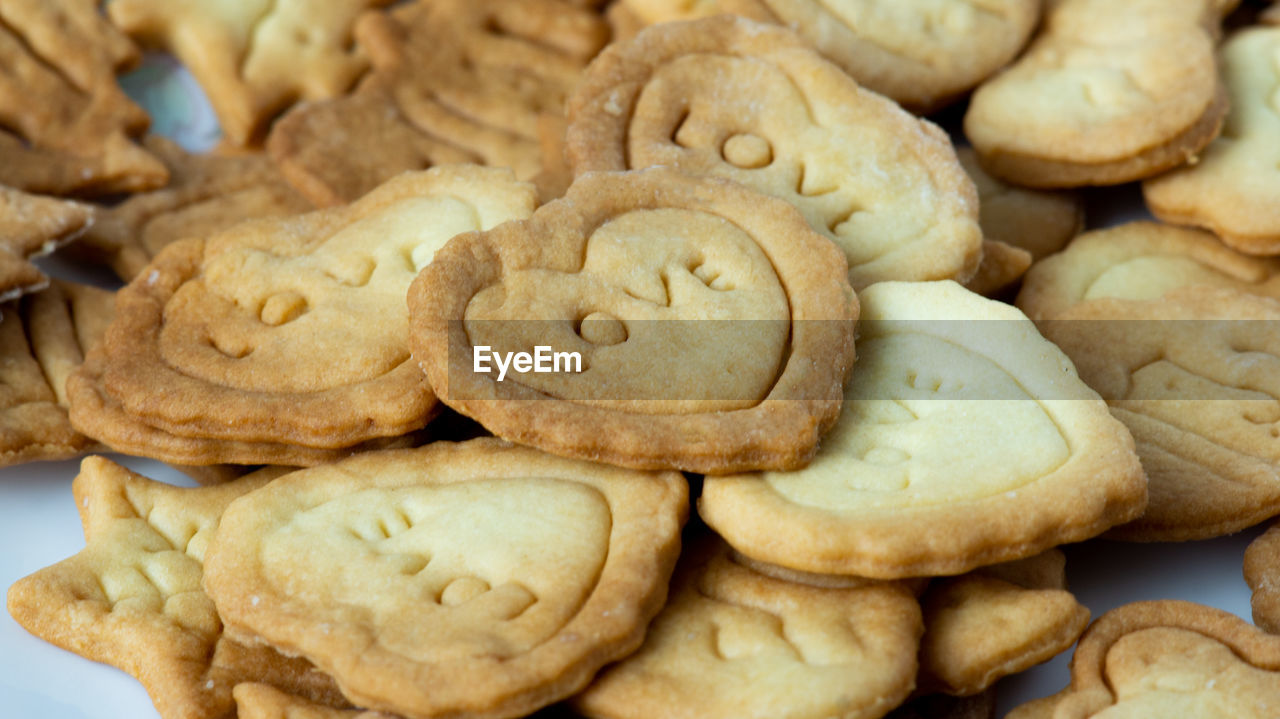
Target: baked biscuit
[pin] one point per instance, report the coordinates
(921, 53)
(254, 59)
(234, 338)
(1107, 93)
(1261, 569)
(732, 98)
(505, 577)
(43, 337)
(67, 128)
(1166, 659)
(735, 644)
(452, 81)
(921, 475)
(1232, 189)
(206, 194)
(132, 597)
(31, 226)
(712, 328)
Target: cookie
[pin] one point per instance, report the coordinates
(505, 577)
(1140, 261)
(43, 337)
(31, 226)
(1232, 189)
(67, 128)
(1019, 225)
(206, 194)
(1106, 93)
(253, 59)
(1168, 658)
(922, 54)
(132, 597)
(234, 338)
(711, 328)
(965, 439)
(996, 621)
(452, 81)
(733, 643)
(263, 701)
(1261, 567)
(751, 103)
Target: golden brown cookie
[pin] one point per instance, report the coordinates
(1019, 225)
(132, 597)
(31, 226)
(263, 701)
(1232, 189)
(736, 644)
(65, 126)
(1107, 93)
(1262, 573)
(1168, 659)
(920, 53)
(965, 439)
(43, 337)
(712, 329)
(453, 81)
(205, 195)
(747, 102)
(253, 58)
(505, 577)
(996, 621)
(283, 332)
(1140, 261)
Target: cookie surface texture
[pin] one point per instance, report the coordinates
(68, 128)
(1232, 189)
(1107, 93)
(43, 338)
(748, 102)
(132, 597)
(31, 226)
(1262, 573)
(465, 580)
(206, 194)
(713, 328)
(735, 643)
(1177, 332)
(452, 81)
(1168, 658)
(911, 482)
(290, 330)
(253, 59)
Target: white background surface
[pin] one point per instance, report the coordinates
(39, 525)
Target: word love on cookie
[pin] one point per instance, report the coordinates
(542, 360)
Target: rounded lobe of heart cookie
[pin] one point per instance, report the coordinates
(1169, 658)
(246, 327)
(944, 380)
(1140, 261)
(1231, 190)
(735, 643)
(731, 98)
(1262, 573)
(1108, 93)
(711, 326)
(477, 579)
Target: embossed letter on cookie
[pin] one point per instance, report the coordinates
(457, 580)
(714, 327)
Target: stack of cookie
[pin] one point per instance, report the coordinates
(747, 438)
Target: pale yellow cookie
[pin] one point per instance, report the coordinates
(735, 644)
(1232, 189)
(965, 439)
(457, 580)
(1108, 92)
(732, 98)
